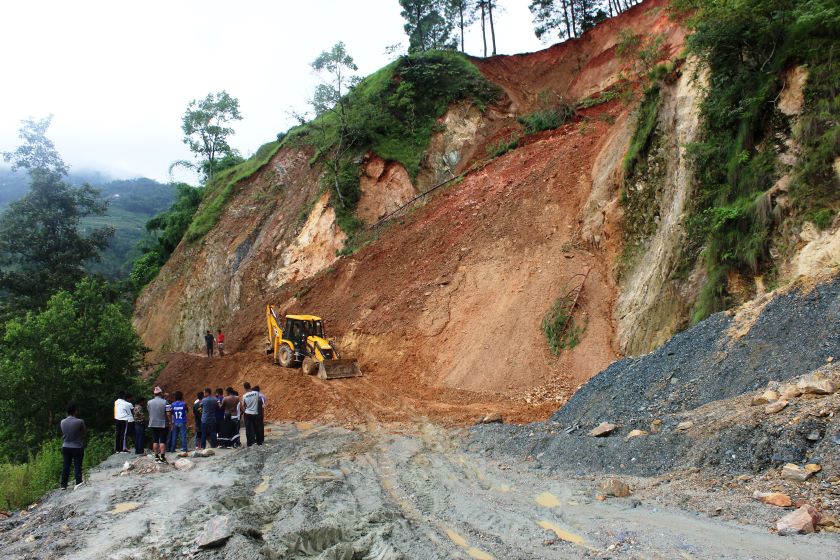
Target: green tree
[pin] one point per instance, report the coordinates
(81, 348)
(330, 100)
(428, 24)
(168, 229)
(36, 153)
(206, 129)
(43, 248)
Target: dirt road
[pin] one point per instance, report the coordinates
(325, 492)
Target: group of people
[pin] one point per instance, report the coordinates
(217, 419)
(215, 342)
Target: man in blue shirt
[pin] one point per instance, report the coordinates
(179, 423)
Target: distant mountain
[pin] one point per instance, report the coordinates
(131, 203)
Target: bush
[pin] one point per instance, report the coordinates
(553, 111)
(645, 126)
(503, 146)
(560, 328)
(24, 484)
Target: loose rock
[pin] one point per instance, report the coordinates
(184, 464)
(803, 520)
(686, 425)
(773, 498)
(765, 398)
(816, 384)
(775, 407)
(216, 532)
(492, 418)
(813, 468)
(636, 433)
(795, 473)
(603, 429)
(614, 487)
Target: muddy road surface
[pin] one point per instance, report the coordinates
(402, 492)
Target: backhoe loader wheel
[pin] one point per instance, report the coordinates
(286, 357)
(309, 366)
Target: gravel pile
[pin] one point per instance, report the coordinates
(794, 334)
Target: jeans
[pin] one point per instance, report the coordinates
(74, 455)
(253, 429)
(208, 433)
(120, 435)
(177, 429)
(139, 438)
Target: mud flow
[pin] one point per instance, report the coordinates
(324, 492)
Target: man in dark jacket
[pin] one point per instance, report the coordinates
(209, 341)
(73, 446)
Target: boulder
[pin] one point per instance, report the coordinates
(766, 397)
(816, 384)
(183, 454)
(685, 425)
(184, 464)
(216, 532)
(656, 426)
(603, 429)
(775, 407)
(803, 520)
(795, 473)
(773, 498)
(813, 468)
(614, 487)
(203, 453)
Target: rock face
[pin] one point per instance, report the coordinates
(602, 430)
(803, 520)
(216, 533)
(385, 187)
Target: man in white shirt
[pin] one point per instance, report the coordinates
(122, 416)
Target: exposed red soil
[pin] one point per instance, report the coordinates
(443, 310)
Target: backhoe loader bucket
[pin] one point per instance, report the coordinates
(336, 369)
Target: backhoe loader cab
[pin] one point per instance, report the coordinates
(302, 342)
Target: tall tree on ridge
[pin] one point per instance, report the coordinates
(428, 24)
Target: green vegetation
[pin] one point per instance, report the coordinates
(747, 46)
(553, 111)
(503, 146)
(559, 326)
(218, 190)
(205, 131)
(391, 113)
(645, 126)
(167, 229)
(82, 348)
(25, 483)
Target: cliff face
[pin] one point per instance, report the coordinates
(447, 301)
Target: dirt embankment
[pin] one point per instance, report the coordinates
(445, 307)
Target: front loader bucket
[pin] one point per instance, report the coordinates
(336, 369)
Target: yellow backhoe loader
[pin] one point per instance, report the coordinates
(301, 341)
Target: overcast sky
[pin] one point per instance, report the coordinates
(117, 76)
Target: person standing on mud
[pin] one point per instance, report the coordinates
(209, 341)
(261, 426)
(220, 342)
(139, 427)
(73, 446)
(157, 423)
(251, 404)
(122, 416)
(209, 406)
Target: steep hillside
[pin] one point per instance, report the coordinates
(444, 301)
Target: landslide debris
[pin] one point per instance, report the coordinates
(696, 397)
